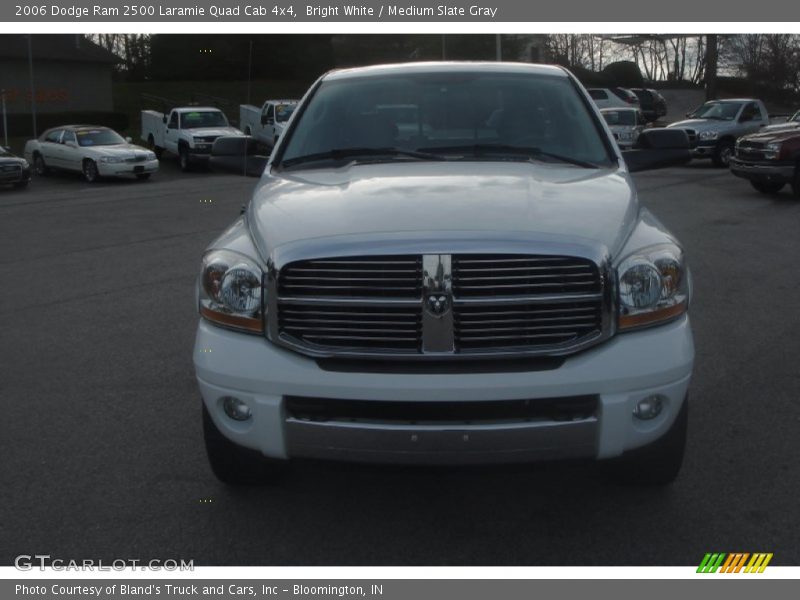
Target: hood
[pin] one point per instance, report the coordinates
(787, 126)
(703, 124)
(115, 150)
(766, 136)
(215, 131)
(438, 202)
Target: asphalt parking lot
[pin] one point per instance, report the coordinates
(102, 451)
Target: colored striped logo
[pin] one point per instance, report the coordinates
(735, 562)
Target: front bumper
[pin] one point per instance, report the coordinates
(704, 149)
(775, 172)
(618, 374)
(125, 168)
(15, 176)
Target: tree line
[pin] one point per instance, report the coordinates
(772, 59)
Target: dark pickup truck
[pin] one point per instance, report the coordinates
(769, 159)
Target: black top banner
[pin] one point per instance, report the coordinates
(453, 11)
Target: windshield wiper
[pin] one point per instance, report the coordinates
(529, 152)
(342, 153)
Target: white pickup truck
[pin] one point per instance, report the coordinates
(447, 263)
(188, 132)
(267, 123)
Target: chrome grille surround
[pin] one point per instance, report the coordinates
(554, 321)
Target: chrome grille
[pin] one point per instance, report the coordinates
(692, 135)
(389, 328)
(750, 150)
(545, 324)
(501, 304)
(136, 158)
(514, 275)
(359, 277)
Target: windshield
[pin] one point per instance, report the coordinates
(726, 111)
(620, 117)
(207, 118)
(795, 118)
(452, 115)
(99, 137)
(283, 112)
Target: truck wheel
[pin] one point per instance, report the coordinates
(233, 464)
(767, 187)
(723, 153)
(183, 158)
(90, 172)
(151, 143)
(655, 464)
(39, 166)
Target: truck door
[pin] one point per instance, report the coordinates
(751, 117)
(172, 133)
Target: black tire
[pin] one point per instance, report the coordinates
(655, 464)
(20, 185)
(766, 187)
(90, 172)
(183, 159)
(39, 166)
(235, 465)
(151, 144)
(143, 176)
(723, 153)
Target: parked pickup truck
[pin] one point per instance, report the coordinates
(469, 292)
(267, 123)
(187, 132)
(714, 127)
(769, 159)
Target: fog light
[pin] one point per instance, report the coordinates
(648, 408)
(236, 409)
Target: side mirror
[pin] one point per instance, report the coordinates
(658, 148)
(129, 139)
(164, 119)
(71, 144)
(265, 120)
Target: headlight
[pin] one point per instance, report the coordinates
(771, 151)
(653, 286)
(111, 159)
(708, 135)
(25, 164)
(150, 156)
(230, 291)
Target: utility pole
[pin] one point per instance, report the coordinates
(5, 120)
(33, 91)
(444, 47)
(498, 48)
(249, 70)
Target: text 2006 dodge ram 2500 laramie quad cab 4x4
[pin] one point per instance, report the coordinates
(477, 285)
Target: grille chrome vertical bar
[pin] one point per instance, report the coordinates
(437, 298)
